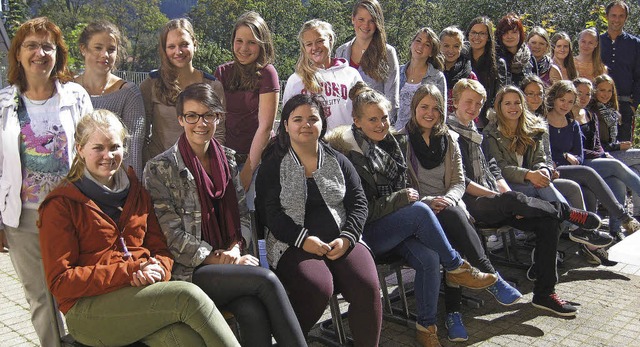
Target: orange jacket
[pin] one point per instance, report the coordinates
(81, 252)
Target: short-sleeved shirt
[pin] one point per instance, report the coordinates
(242, 106)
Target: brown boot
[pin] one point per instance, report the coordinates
(427, 337)
(469, 277)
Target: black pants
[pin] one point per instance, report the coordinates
(256, 298)
(463, 237)
(539, 216)
(625, 129)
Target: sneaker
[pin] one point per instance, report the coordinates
(456, 331)
(630, 224)
(470, 277)
(554, 304)
(617, 235)
(592, 238)
(583, 219)
(503, 292)
(598, 256)
(427, 337)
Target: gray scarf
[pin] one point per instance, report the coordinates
(481, 173)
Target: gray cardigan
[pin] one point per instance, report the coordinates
(390, 87)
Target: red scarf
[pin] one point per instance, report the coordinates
(215, 191)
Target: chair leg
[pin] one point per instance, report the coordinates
(336, 318)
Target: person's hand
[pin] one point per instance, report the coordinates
(245, 176)
(315, 246)
(539, 178)
(438, 204)
(412, 194)
(555, 174)
(624, 145)
(248, 259)
(150, 272)
(339, 247)
(229, 256)
(572, 159)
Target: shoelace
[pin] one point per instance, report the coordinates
(557, 299)
(454, 319)
(602, 253)
(475, 273)
(578, 216)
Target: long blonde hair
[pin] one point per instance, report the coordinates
(598, 65)
(98, 120)
(167, 88)
(304, 66)
(613, 103)
(522, 136)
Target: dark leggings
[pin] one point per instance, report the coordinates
(464, 238)
(310, 281)
(256, 298)
(539, 216)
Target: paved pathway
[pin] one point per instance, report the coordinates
(609, 312)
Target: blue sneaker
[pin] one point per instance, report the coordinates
(456, 331)
(503, 292)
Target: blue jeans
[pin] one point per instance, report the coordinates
(631, 158)
(413, 232)
(612, 170)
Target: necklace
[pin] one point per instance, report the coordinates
(104, 87)
(41, 102)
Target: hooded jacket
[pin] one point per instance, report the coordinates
(337, 80)
(496, 145)
(81, 250)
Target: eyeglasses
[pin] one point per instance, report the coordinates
(478, 34)
(534, 95)
(210, 117)
(32, 46)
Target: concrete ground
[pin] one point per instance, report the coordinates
(609, 310)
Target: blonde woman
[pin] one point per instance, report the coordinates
(101, 43)
(317, 73)
(588, 61)
(543, 66)
(369, 53)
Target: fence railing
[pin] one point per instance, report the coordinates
(132, 76)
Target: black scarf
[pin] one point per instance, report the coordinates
(384, 159)
(461, 69)
(432, 155)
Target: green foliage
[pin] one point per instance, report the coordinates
(138, 20)
(18, 14)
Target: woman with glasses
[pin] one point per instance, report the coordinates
(176, 48)
(533, 88)
(201, 207)
(482, 53)
(39, 111)
(101, 43)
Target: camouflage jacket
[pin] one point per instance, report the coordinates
(173, 190)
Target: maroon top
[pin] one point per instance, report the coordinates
(242, 107)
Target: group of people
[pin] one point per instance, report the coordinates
(131, 206)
